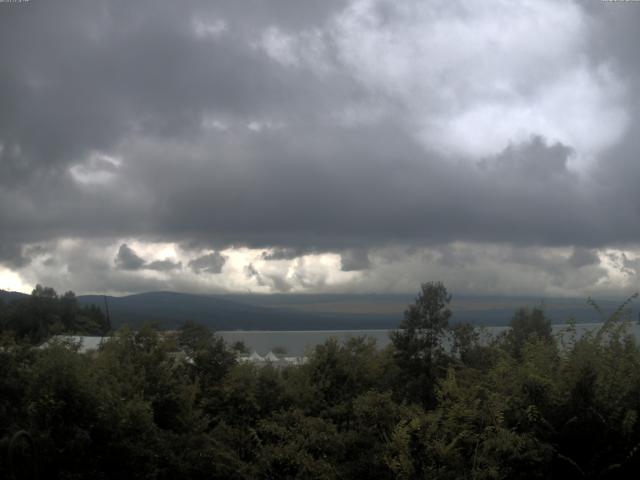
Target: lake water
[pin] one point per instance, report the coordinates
(299, 342)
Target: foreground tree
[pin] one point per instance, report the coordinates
(418, 343)
(527, 324)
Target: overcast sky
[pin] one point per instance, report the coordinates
(333, 146)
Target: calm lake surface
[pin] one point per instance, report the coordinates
(299, 342)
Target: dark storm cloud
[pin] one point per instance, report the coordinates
(354, 195)
(452, 258)
(128, 259)
(286, 253)
(78, 76)
(616, 34)
(354, 260)
(534, 161)
(629, 266)
(581, 257)
(210, 263)
(251, 272)
(275, 282)
(164, 265)
(12, 256)
(221, 145)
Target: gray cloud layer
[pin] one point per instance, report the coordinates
(128, 259)
(354, 260)
(210, 263)
(259, 124)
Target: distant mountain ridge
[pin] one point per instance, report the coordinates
(171, 309)
(7, 296)
(318, 311)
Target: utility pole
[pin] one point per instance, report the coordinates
(106, 309)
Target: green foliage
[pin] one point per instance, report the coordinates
(526, 325)
(340, 372)
(418, 343)
(44, 313)
(157, 405)
(241, 348)
(194, 337)
(296, 446)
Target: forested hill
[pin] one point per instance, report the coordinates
(170, 310)
(319, 311)
(326, 311)
(7, 297)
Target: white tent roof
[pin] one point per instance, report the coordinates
(271, 357)
(255, 357)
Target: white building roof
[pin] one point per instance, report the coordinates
(85, 343)
(273, 359)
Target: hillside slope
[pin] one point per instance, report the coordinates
(318, 312)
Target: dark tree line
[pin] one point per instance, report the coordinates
(44, 313)
(439, 403)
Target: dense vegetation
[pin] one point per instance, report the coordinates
(437, 403)
(44, 313)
